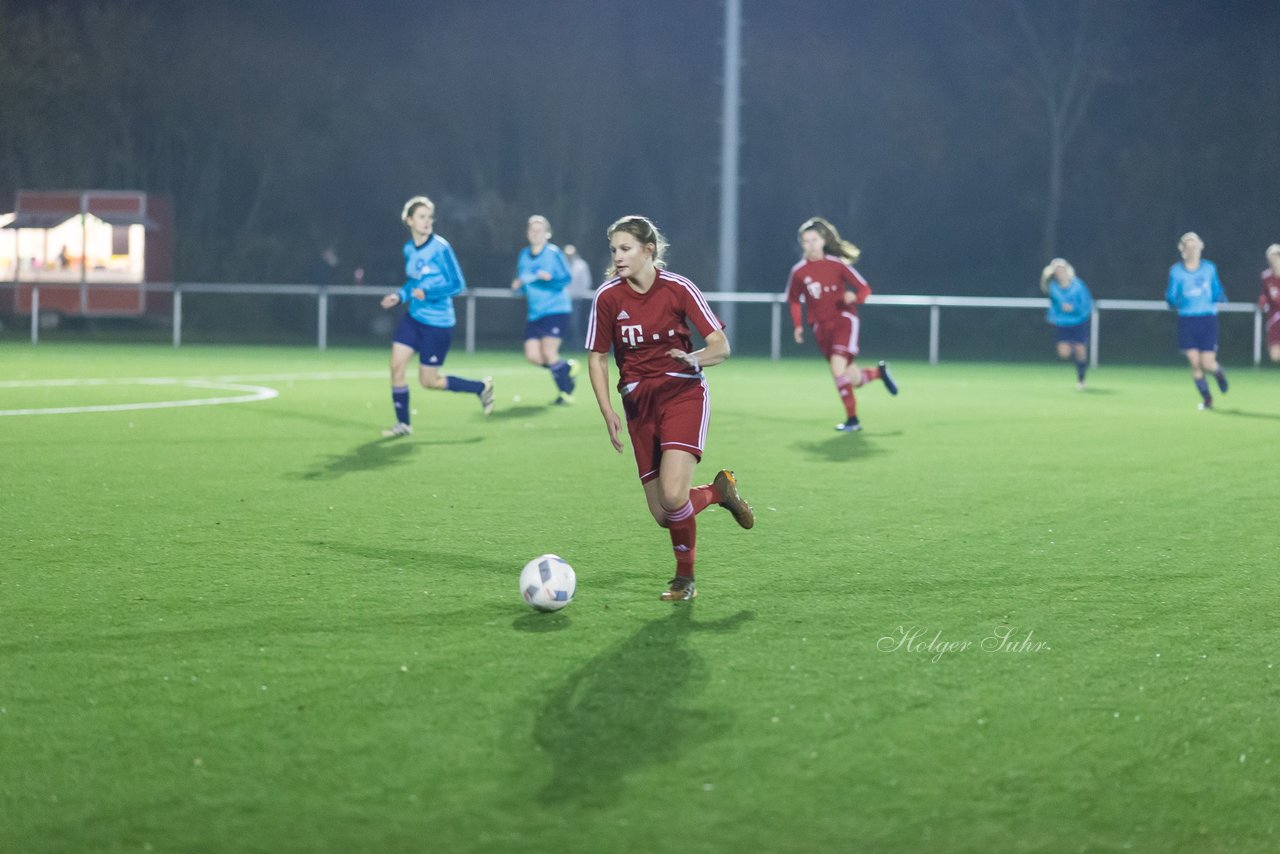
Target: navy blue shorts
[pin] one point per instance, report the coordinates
(430, 342)
(1198, 332)
(1078, 334)
(550, 326)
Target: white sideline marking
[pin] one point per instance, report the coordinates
(251, 393)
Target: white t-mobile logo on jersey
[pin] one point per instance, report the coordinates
(633, 335)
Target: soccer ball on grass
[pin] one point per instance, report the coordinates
(547, 583)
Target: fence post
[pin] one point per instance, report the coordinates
(35, 315)
(934, 312)
(322, 318)
(471, 323)
(1093, 336)
(775, 331)
(177, 316)
(1257, 337)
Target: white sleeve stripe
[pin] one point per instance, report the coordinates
(854, 326)
(591, 321)
(786, 289)
(706, 415)
(709, 315)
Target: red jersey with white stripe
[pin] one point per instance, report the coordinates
(642, 327)
(1269, 302)
(821, 286)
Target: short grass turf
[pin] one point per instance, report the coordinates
(1009, 616)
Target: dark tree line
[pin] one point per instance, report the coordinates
(959, 143)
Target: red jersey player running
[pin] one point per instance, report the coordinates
(1269, 301)
(822, 280)
(644, 313)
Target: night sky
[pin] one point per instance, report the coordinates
(924, 130)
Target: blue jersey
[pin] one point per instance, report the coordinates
(544, 296)
(433, 268)
(1194, 293)
(1070, 305)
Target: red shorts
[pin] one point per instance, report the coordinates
(663, 413)
(838, 337)
(1273, 329)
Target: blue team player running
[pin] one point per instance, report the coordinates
(434, 279)
(1070, 310)
(542, 274)
(1195, 291)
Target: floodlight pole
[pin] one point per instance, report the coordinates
(729, 144)
(84, 252)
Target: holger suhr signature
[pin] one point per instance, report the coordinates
(919, 640)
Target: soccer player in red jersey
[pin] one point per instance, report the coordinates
(1269, 301)
(831, 290)
(644, 313)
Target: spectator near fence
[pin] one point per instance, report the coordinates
(581, 287)
(1269, 301)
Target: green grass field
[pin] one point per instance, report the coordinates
(259, 627)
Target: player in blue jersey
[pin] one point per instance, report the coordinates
(1070, 310)
(433, 279)
(542, 275)
(1194, 292)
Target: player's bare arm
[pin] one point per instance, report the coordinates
(598, 371)
(716, 351)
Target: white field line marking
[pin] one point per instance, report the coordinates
(286, 378)
(230, 382)
(410, 374)
(250, 393)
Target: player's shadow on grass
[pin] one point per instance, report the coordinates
(523, 411)
(630, 706)
(375, 455)
(1240, 413)
(538, 621)
(371, 456)
(310, 417)
(844, 446)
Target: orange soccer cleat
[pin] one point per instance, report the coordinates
(726, 487)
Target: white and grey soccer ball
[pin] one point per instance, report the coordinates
(548, 583)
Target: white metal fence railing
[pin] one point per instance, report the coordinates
(776, 302)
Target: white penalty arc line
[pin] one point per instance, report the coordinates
(301, 377)
(225, 383)
(251, 393)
